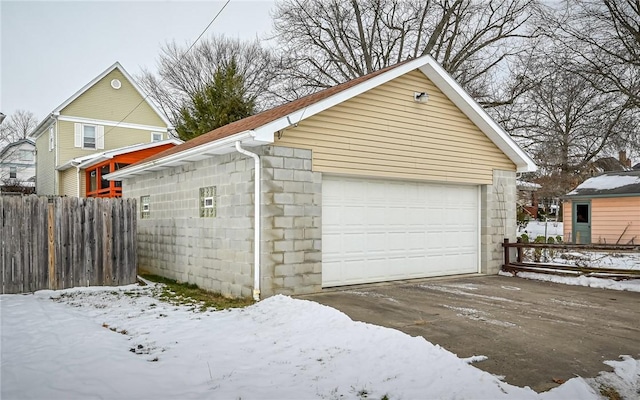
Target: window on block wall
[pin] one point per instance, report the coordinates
(208, 202)
(145, 207)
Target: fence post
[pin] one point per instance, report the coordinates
(519, 250)
(506, 252)
(52, 247)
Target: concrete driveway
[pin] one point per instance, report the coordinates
(532, 332)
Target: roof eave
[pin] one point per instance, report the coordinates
(217, 147)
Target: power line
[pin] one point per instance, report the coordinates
(180, 59)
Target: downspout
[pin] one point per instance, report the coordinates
(256, 222)
(78, 185)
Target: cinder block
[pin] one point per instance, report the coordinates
(282, 222)
(293, 187)
(304, 176)
(284, 198)
(283, 245)
(294, 257)
(283, 174)
(282, 151)
(302, 153)
(293, 163)
(272, 162)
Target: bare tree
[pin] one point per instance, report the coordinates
(604, 38)
(17, 126)
(182, 74)
(565, 121)
(332, 41)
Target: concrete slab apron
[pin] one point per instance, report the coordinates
(532, 332)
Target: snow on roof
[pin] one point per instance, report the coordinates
(527, 185)
(611, 183)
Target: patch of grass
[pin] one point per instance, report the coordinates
(610, 393)
(177, 293)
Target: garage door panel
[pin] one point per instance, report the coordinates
(379, 230)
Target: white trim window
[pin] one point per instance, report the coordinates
(13, 172)
(89, 136)
(156, 136)
(51, 138)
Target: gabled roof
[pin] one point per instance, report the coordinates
(610, 184)
(56, 111)
(259, 129)
(95, 158)
(14, 144)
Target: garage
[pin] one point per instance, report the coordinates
(376, 230)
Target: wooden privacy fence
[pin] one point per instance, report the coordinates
(64, 242)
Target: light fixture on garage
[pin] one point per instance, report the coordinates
(420, 97)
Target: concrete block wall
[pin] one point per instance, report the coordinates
(217, 253)
(498, 219)
(292, 211)
(175, 242)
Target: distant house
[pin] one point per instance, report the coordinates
(17, 166)
(527, 199)
(604, 209)
(398, 174)
(94, 167)
(110, 112)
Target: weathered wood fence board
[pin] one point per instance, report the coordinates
(66, 242)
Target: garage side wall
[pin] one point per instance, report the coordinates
(216, 253)
(497, 219)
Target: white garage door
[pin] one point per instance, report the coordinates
(382, 230)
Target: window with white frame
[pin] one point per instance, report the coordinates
(145, 207)
(51, 138)
(89, 136)
(156, 136)
(13, 172)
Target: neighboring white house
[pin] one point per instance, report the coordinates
(18, 164)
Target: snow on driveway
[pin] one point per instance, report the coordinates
(123, 343)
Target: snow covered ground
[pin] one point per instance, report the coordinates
(631, 285)
(123, 343)
(540, 228)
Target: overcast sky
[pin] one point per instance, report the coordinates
(51, 49)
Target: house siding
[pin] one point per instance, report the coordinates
(614, 220)
(217, 253)
(68, 183)
(103, 102)
(45, 165)
(114, 137)
(404, 139)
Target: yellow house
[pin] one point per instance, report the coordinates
(110, 112)
(395, 175)
(604, 209)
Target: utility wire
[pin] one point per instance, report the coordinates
(180, 59)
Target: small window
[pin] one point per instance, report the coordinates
(208, 202)
(582, 213)
(89, 136)
(156, 136)
(13, 172)
(51, 138)
(145, 207)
